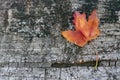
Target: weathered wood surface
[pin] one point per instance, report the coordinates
(32, 48)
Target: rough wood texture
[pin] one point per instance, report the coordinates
(32, 48)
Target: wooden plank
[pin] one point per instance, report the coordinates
(32, 47)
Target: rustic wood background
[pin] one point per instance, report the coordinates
(32, 48)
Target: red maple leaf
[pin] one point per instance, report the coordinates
(84, 30)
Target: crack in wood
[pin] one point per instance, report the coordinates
(104, 63)
(88, 63)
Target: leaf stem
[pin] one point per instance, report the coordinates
(97, 57)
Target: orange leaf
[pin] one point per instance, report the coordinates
(80, 23)
(93, 23)
(75, 37)
(84, 30)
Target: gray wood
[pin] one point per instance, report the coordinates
(32, 48)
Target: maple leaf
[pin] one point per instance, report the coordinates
(84, 30)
